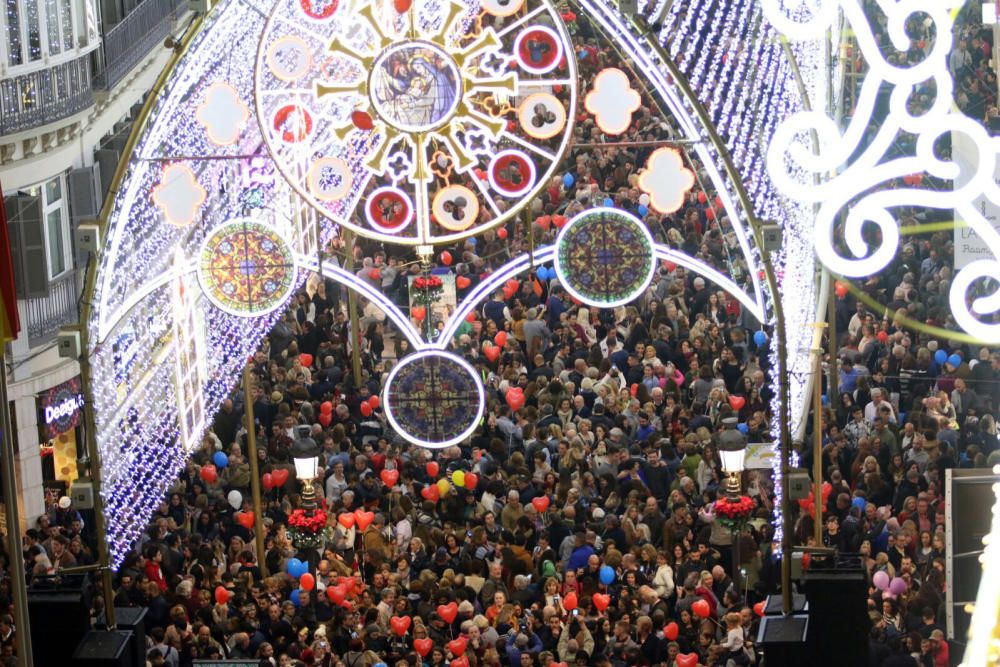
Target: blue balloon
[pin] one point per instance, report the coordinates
(568, 180)
(379, 664)
(940, 357)
(860, 503)
(743, 428)
(824, 400)
(581, 54)
(955, 360)
(607, 575)
(759, 338)
(294, 597)
(220, 460)
(643, 210)
(293, 566)
(609, 202)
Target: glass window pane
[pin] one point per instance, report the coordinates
(57, 248)
(52, 26)
(34, 32)
(53, 191)
(14, 54)
(66, 7)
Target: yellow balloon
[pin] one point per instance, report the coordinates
(458, 477)
(443, 486)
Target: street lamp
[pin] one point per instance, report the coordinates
(305, 454)
(732, 451)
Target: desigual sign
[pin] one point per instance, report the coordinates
(61, 407)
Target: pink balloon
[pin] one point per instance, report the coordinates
(881, 581)
(897, 586)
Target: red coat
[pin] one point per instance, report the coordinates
(154, 573)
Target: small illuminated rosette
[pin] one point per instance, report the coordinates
(542, 116)
(434, 399)
(389, 210)
(292, 123)
(605, 257)
(538, 49)
(512, 173)
(456, 207)
(430, 101)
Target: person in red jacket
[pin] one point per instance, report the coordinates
(152, 569)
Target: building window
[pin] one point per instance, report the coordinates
(56, 227)
(15, 55)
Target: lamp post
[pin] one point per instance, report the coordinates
(305, 454)
(733, 451)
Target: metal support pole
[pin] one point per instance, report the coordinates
(352, 312)
(19, 583)
(103, 557)
(258, 508)
(831, 321)
(818, 443)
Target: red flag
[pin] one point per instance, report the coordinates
(10, 325)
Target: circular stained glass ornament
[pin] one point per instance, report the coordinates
(434, 399)
(605, 257)
(246, 268)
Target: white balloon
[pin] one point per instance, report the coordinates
(644, 200)
(442, 161)
(235, 499)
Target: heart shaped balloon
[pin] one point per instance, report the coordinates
(279, 476)
(449, 612)
(423, 646)
(759, 608)
(701, 609)
(390, 477)
(400, 624)
(346, 520)
(601, 601)
(457, 646)
(245, 519)
(686, 659)
(541, 503)
(363, 519)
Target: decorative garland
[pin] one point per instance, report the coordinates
(733, 514)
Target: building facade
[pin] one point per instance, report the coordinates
(73, 78)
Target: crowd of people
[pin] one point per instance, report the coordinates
(580, 528)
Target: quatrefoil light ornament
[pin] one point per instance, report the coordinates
(666, 180)
(179, 195)
(222, 114)
(612, 101)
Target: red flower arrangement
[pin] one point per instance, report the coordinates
(303, 522)
(427, 283)
(733, 513)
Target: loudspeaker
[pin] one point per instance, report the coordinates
(838, 615)
(62, 609)
(774, 604)
(783, 640)
(131, 619)
(105, 648)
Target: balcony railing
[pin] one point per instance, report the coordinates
(45, 96)
(127, 43)
(45, 315)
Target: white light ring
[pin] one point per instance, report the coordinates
(707, 272)
(476, 380)
(445, 218)
(494, 8)
(561, 272)
(814, 28)
(964, 316)
(346, 176)
(557, 108)
(389, 189)
(452, 67)
(289, 74)
(532, 173)
(531, 69)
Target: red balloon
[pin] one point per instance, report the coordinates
(418, 313)
(306, 359)
(601, 601)
(245, 519)
(390, 477)
(375, 274)
(737, 402)
(209, 473)
(541, 503)
(363, 519)
(471, 479)
(431, 493)
(841, 289)
(462, 282)
(268, 481)
(423, 646)
(402, 6)
(701, 608)
(570, 602)
(686, 660)
(366, 410)
(544, 222)
(633, 390)
(669, 266)
(325, 418)
(362, 120)
(501, 338)
(280, 476)
(702, 198)
(346, 520)
(307, 582)
(710, 213)
(671, 631)
(448, 612)
(221, 594)
(883, 336)
(492, 352)
(374, 402)
(446, 258)
(806, 559)
(460, 661)
(759, 608)
(502, 233)
(718, 201)
(326, 408)
(337, 594)
(432, 468)
(457, 646)
(400, 624)
(559, 220)
(471, 317)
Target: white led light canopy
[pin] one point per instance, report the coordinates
(425, 107)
